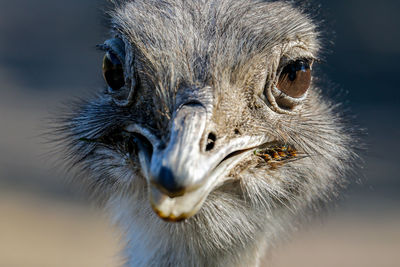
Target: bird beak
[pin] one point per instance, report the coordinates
(181, 175)
(178, 182)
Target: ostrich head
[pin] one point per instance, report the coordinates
(210, 115)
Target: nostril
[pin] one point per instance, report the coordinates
(168, 184)
(211, 141)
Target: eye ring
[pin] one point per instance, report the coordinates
(120, 80)
(290, 88)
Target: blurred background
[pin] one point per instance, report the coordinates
(47, 56)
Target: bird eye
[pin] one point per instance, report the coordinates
(113, 71)
(290, 88)
(295, 78)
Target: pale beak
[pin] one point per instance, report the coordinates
(182, 174)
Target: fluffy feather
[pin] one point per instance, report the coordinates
(236, 48)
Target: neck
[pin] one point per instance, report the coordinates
(214, 237)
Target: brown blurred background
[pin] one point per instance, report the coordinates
(47, 56)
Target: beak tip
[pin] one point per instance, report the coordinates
(172, 209)
(170, 217)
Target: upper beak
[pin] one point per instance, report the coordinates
(182, 166)
(182, 174)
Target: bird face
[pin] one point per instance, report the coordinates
(202, 96)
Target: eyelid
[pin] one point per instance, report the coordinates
(103, 47)
(115, 46)
(286, 61)
(114, 58)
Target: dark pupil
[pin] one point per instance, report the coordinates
(113, 71)
(292, 69)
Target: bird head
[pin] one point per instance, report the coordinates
(199, 98)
